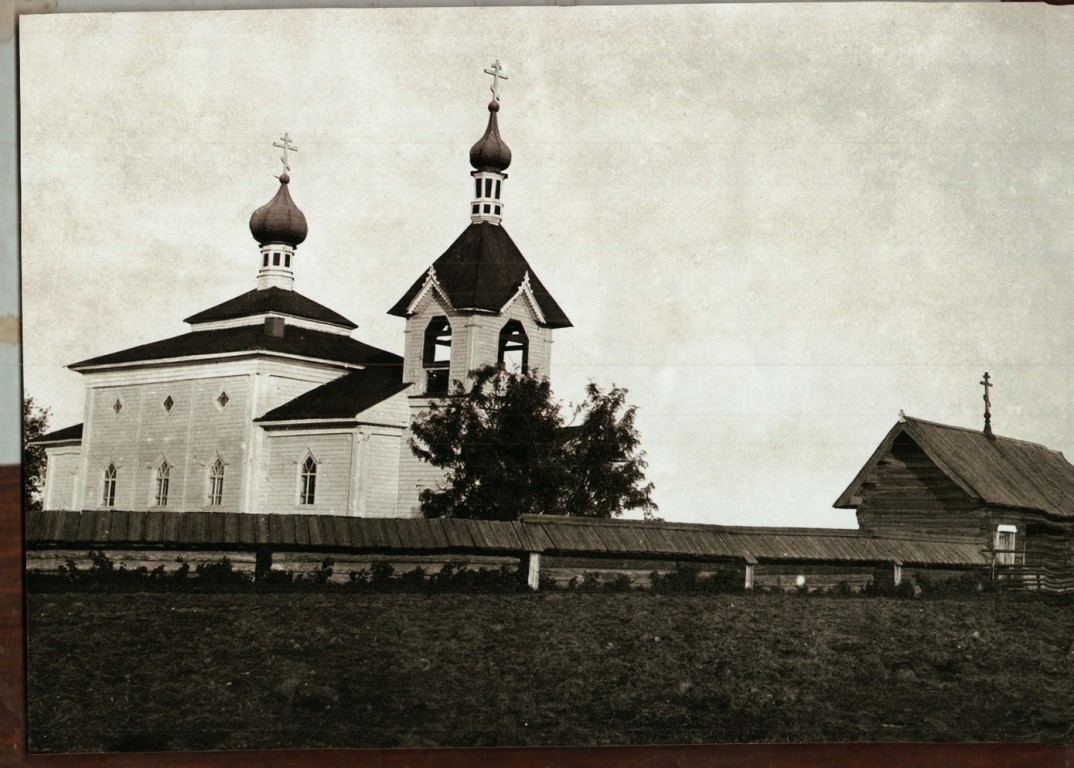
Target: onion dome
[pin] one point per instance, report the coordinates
(279, 220)
(490, 153)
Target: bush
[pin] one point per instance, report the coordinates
(687, 578)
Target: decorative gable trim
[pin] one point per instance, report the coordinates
(525, 290)
(430, 285)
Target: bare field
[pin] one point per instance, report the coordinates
(140, 671)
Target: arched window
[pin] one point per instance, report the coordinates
(514, 350)
(216, 483)
(308, 481)
(436, 355)
(163, 473)
(109, 497)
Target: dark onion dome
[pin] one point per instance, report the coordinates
(279, 220)
(490, 153)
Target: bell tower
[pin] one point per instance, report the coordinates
(480, 303)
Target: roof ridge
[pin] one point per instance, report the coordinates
(981, 433)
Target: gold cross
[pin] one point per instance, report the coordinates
(495, 72)
(285, 144)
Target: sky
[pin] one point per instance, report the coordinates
(775, 225)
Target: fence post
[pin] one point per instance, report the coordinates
(531, 561)
(751, 565)
(896, 572)
(263, 564)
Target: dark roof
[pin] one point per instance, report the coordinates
(280, 300)
(60, 435)
(481, 271)
(304, 342)
(343, 398)
(1000, 471)
(555, 535)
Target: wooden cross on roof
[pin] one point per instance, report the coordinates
(495, 72)
(986, 382)
(285, 144)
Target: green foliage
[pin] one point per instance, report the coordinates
(688, 578)
(508, 451)
(34, 425)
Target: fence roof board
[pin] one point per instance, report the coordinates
(536, 533)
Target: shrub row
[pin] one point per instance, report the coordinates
(456, 576)
(221, 576)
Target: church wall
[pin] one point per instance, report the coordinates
(475, 339)
(334, 454)
(486, 331)
(189, 436)
(61, 477)
(379, 473)
(414, 342)
(414, 475)
(283, 381)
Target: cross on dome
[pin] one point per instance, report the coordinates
(495, 72)
(285, 144)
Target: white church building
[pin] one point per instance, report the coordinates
(268, 403)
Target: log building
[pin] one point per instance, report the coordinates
(1013, 498)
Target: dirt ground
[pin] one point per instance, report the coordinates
(234, 671)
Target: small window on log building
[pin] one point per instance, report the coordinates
(1005, 545)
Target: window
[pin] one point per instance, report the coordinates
(222, 399)
(275, 259)
(287, 260)
(477, 189)
(308, 486)
(496, 210)
(117, 406)
(485, 208)
(163, 472)
(488, 187)
(436, 357)
(265, 262)
(168, 403)
(1005, 541)
(109, 497)
(497, 189)
(514, 347)
(475, 208)
(216, 483)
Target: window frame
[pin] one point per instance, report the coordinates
(217, 470)
(307, 481)
(108, 490)
(1005, 545)
(162, 478)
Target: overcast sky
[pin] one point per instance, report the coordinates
(775, 225)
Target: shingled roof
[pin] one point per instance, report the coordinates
(481, 271)
(999, 471)
(300, 342)
(65, 435)
(271, 300)
(343, 398)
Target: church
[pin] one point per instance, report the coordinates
(269, 404)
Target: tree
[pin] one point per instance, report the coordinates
(34, 425)
(508, 451)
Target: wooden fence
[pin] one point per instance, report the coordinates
(601, 542)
